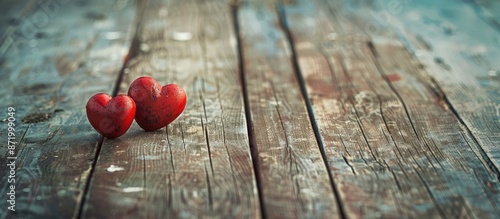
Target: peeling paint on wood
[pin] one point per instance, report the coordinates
(48, 89)
(200, 165)
(356, 109)
(390, 145)
(294, 179)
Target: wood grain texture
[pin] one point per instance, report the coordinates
(49, 69)
(459, 50)
(294, 179)
(394, 148)
(200, 165)
(404, 101)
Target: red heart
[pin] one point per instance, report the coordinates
(157, 106)
(111, 116)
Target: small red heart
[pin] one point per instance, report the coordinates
(111, 117)
(157, 106)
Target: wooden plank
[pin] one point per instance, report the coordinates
(393, 147)
(49, 70)
(442, 132)
(463, 64)
(200, 165)
(293, 177)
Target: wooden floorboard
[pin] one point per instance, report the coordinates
(200, 165)
(473, 88)
(383, 124)
(53, 68)
(459, 62)
(294, 179)
(296, 108)
(462, 63)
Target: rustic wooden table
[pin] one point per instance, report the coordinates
(296, 109)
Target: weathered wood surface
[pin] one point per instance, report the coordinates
(386, 130)
(296, 109)
(200, 165)
(294, 181)
(459, 48)
(49, 69)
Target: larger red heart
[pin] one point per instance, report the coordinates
(111, 117)
(157, 106)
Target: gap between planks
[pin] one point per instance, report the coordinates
(251, 134)
(293, 57)
(133, 48)
(204, 127)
